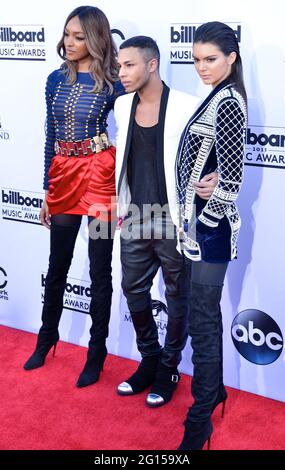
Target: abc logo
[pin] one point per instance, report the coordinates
(3, 275)
(257, 337)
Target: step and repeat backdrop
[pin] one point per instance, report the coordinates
(253, 299)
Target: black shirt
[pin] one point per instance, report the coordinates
(142, 169)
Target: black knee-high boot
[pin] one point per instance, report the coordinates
(150, 349)
(100, 255)
(62, 241)
(205, 331)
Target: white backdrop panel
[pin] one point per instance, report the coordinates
(254, 281)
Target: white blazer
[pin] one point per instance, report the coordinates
(180, 107)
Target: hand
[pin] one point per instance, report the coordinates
(204, 188)
(44, 215)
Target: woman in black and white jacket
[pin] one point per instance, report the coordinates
(212, 140)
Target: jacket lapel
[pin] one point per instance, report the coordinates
(128, 139)
(160, 145)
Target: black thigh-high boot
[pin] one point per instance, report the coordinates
(204, 329)
(222, 394)
(100, 255)
(150, 349)
(62, 242)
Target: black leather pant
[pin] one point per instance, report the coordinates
(141, 258)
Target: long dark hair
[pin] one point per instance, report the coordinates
(100, 45)
(225, 39)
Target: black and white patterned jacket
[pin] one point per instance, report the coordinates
(212, 140)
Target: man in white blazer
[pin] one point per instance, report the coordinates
(150, 119)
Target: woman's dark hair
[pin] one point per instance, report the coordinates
(100, 45)
(225, 39)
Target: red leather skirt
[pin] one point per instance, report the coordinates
(83, 186)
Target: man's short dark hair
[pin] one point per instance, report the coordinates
(146, 43)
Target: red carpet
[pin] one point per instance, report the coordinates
(42, 409)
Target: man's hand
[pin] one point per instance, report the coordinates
(204, 189)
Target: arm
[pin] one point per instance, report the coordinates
(230, 123)
(49, 130)
(44, 213)
(49, 149)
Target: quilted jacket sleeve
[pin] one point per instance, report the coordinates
(230, 125)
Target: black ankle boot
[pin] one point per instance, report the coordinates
(165, 384)
(142, 378)
(196, 434)
(93, 366)
(37, 359)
